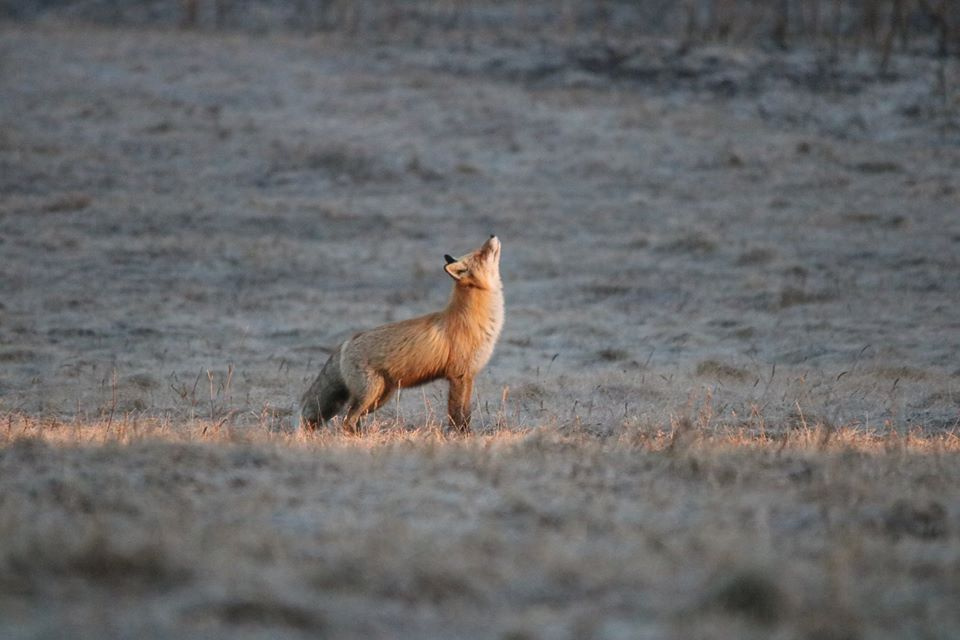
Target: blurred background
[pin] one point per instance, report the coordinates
(883, 24)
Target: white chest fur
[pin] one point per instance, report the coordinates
(489, 332)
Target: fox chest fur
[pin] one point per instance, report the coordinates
(472, 324)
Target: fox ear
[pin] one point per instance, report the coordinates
(450, 259)
(456, 269)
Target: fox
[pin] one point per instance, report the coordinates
(454, 344)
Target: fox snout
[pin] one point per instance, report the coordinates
(491, 245)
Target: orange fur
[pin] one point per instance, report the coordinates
(454, 344)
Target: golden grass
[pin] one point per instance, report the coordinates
(680, 434)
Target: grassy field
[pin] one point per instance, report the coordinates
(726, 399)
(154, 530)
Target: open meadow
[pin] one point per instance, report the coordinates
(726, 399)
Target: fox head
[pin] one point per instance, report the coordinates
(480, 268)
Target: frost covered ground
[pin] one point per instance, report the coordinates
(730, 250)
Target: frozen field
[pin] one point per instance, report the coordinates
(724, 401)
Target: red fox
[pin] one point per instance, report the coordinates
(454, 344)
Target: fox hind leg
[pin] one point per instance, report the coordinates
(371, 394)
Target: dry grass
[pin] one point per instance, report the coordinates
(190, 220)
(681, 530)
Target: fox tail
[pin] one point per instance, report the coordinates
(326, 396)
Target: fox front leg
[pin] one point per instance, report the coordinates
(458, 403)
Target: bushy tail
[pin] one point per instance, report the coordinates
(326, 396)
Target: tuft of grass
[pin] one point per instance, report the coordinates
(902, 372)
(68, 202)
(339, 162)
(752, 594)
(722, 370)
(755, 256)
(924, 520)
(613, 355)
(694, 242)
(794, 296)
(263, 611)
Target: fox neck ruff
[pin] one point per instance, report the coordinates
(473, 320)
